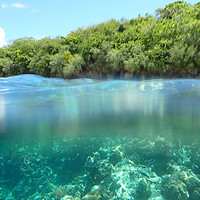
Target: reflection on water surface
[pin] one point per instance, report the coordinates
(44, 107)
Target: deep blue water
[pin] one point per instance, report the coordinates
(34, 107)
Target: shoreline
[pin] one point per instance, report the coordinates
(117, 77)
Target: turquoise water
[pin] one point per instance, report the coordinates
(72, 139)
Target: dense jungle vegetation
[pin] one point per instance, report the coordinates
(167, 44)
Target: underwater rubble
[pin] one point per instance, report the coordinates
(101, 168)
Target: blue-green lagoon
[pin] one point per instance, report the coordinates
(99, 139)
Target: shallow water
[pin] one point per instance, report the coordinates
(45, 107)
(47, 120)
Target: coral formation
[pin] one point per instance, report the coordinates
(100, 168)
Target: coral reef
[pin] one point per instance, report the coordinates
(101, 168)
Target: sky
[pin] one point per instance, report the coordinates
(52, 18)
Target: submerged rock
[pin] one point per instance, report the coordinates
(90, 197)
(118, 169)
(143, 189)
(70, 198)
(174, 189)
(115, 156)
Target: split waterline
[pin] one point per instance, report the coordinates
(75, 127)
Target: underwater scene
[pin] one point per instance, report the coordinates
(99, 139)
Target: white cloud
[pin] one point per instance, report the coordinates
(13, 5)
(2, 38)
(4, 5)
(17, 5)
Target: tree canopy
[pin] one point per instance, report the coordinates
(167, 44)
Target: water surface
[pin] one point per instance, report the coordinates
(36, 107)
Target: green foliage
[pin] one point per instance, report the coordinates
(185, 58)
(97, 59)
(114, 61)
(50, 46)
(6, 67)
(58, 62)
(40, 64)
(173, 8)
(168, 44)
(74, 67)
